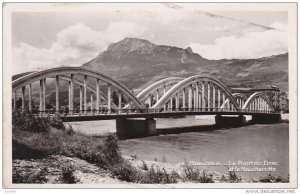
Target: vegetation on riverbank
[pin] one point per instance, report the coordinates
(35, 137)
(40, 138)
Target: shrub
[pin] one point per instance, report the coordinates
(160, 176)
(195, 175)
(69, 129)
(68, 174)
(29, 177)
(103, 152)
(232, 178)
(273, 179)
(125, 172)
(56, 122)
(111, 150)
(144, 165)
(28, 122)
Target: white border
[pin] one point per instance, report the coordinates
(7, 47)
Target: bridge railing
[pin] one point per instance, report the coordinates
(105, 111)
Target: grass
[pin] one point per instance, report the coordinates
(33, 178)
(195, 175)
(270, 178)
(157, 175)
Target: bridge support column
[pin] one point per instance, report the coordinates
(219, 99)
(196, 100)
(80, 99)
(183, 99)
(92, 103)
(132, 128)
(57, 94)
(41, 96)
(203, 96)
(214, 98)
(177, 101)
(44, 95)
(14, 100)
(200, 101)
(190, 97)
(224, 99)
(164, 91)
(69, 101)
(119, 101)
(84, 95)
(208, 96)
(30, 98)
(72, 94)
(109, 98)
(266, 118)
(230, 121)
(23, 98)
(97, 95)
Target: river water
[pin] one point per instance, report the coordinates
(214, 150)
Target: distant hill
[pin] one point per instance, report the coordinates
(136, 62)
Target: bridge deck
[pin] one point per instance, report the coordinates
(92, 117)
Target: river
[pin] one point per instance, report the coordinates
(224, 147)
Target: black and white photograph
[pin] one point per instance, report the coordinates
(149, 95)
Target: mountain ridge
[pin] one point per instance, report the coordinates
(136, 62)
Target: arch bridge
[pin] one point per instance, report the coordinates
(96, 96)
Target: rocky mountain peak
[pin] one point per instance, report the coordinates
(189, 50)
(130, 44)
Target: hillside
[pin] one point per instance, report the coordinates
(136, 62)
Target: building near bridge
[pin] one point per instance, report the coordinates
(284, 102)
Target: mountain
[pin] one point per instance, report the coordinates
(136, 62)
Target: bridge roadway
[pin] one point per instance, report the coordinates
(105, 116)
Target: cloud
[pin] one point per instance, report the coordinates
(249, 45)
(279, 26)
(73, 46)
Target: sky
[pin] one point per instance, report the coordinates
(43, 40)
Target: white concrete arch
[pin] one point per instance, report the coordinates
(62, 71)
(192, 80)
(239, 97)
(89, 87)
(143, 95)
(262, 99)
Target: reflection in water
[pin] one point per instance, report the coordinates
(248, 143)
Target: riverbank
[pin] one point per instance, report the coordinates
(47, 151)
(49, 170)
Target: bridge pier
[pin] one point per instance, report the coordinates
(230, 121)
(266, 118)
(132, 128)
